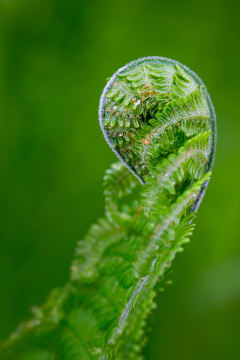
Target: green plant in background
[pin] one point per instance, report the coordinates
(158, 118)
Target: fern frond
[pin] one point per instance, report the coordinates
(178, 121)
(119, 183)
(90, 250)
(191, 160)
(183, 84)
(159, 120)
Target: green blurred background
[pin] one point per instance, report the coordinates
(54, 58)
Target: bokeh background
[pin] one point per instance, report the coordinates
(54, 58)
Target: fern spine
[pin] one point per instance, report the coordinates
(158, 118)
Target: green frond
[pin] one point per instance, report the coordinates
(78, 340)
(150, 77)
(190, 162)
(119, 183)
(158, 118)
(178, 121)
(165, 225)
(89, 251)
(183, 84)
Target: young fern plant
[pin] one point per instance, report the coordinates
(158, 118)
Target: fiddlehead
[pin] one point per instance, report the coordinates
(158, 118)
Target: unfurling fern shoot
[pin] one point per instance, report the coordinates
(158, 118)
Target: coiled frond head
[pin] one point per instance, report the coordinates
(150, 108)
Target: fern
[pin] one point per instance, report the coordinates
(159, 120)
